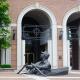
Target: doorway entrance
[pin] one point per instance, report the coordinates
(73, 35)
(45, 19)
(36, 31)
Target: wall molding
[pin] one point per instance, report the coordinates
(59, 26)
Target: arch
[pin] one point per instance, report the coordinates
(66, 50)
(54, 38)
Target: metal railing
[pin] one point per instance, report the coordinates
(30, 32)
(72, 32)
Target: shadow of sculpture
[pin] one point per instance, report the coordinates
(43, 67)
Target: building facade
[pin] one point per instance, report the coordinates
(45, 25)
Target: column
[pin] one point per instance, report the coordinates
(79, 45)
(23, 52)
(50, 52)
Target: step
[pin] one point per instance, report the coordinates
(6, 69)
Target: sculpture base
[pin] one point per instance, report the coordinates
(53, 72)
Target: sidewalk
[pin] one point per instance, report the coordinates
(14, 76)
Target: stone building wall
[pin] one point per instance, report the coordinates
(57, 7)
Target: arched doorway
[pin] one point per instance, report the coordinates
(71, 48)
(73, 35)
(36, 31)
(32, 23)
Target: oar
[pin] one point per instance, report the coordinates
(38, 70)
(21, 69)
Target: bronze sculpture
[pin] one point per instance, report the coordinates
(43, 67)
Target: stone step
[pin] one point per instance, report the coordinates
(7, 69)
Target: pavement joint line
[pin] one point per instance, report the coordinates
(28, 77)
(65, 77)
(74, 72)
(39, 78)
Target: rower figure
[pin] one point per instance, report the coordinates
(43, 65)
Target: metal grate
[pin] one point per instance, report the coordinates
(72, 32)
(34, 32)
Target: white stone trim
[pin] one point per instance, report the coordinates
(66, 50)
(50, 50)
(8, 56)
(59, 26)
(54, 31)
(23, 52)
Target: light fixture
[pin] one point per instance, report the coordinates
(60, 35)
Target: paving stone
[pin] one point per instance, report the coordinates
(14, 76)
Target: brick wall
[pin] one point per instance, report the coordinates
(14, 48)
(59, 47)
(58, 8)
